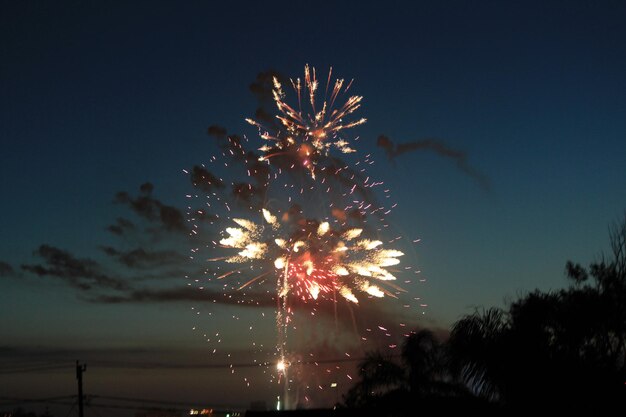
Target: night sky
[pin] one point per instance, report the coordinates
(522, 108)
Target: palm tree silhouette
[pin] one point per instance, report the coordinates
(475, 348)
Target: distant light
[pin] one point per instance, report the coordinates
(194, 412)
(333, 385)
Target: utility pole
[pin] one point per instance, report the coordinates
(79, 376)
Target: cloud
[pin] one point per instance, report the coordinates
(27, 358)
(203, 179)
(172, 218)
(258, 170)
(369, 313)
(95, 284)
(140, 258)
(217, 131)
(230, 144)
(203, 215)
(6, 270)
(337, 170)
(262, 87)
(83, 274)
(151, 209)
(263, 90)
(365, 317)
(245, 191)
(379, 322)
(121, 227)
(440, 149)
(181, 294)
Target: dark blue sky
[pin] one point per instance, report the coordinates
(97, 98)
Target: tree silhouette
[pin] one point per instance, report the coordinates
(378, 376)
(421, 373)
(563, 350)
(475, 345)
(427, 362)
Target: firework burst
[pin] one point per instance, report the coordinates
(305, 136)
(313, 262)
(316, 260)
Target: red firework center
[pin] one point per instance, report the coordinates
(310, 277)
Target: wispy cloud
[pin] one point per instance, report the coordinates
(438, 147)
(141, 258)
(121, 227)
(262, 90)
(153, 210)
(204, 180)
(83, 274)
(179, 294)
(6, 270)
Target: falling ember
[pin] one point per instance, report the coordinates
(305, 136)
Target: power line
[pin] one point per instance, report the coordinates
(137, 408)
(90, 403)
(33, 368)
(142, 400)
(71, 408)
(157, 402)
(61, 397)
(173, 366)
(28, 363)
(162, 365)
(51, 400)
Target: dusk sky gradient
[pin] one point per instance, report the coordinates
(98, 98)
